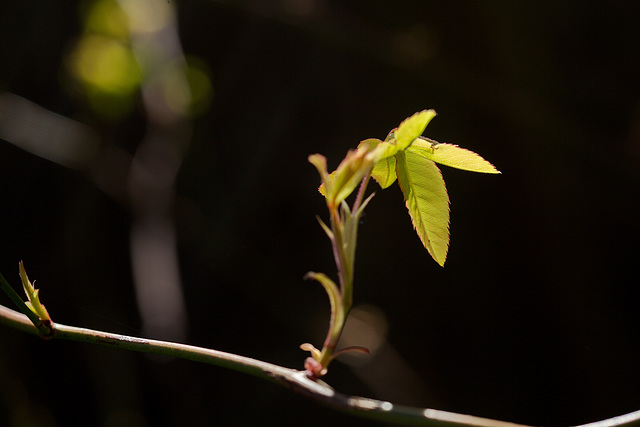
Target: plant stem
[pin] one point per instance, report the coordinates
(344, 233)
(361, 190)
(337, 244)
(295, 380)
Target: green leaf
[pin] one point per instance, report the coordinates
(384, 170)
(452, 155)
(320, 162)
(338, 185)
(427, 200)
(412, 127)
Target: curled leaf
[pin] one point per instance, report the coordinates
(335, 296)
(384, 170)
(310, 348)
(32, 295)
(338, 185)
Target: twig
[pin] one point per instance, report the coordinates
(295, 380)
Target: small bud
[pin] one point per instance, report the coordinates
(314, 368)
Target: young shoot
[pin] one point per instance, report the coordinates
(404, 156)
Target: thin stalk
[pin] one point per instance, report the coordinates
(296, 381)
(344, 226)
(361, 190)
(338, 314)
(337, 242)
(197, 354)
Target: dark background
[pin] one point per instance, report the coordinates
(534, 318)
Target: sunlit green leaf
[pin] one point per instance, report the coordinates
(377, 149)
(426, 198)
(350, 173)
(338, 185)
(412, 127)
(452, 155)
(384, 170)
